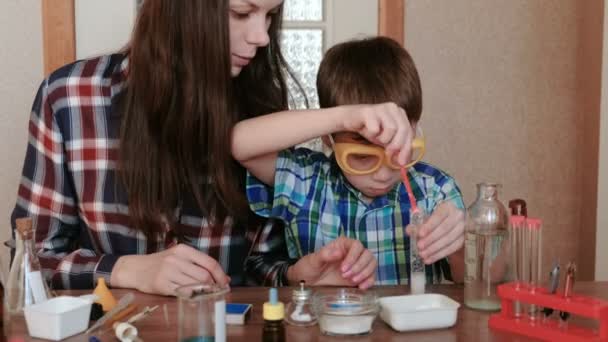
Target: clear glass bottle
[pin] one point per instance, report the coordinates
(486, 249)
(299, 311)
(25, 284)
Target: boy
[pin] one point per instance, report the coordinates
(359, 194)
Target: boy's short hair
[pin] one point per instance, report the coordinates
(371, 70)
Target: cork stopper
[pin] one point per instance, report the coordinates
(24, 227)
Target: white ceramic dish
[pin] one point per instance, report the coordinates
(58, 318)
(418, 312)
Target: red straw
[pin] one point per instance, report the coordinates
(408, 187)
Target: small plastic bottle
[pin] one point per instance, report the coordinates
(105, 297)
(299, 311)
(273, 313)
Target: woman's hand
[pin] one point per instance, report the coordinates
(384, 124)
(343, 262)
(163, 272)
(443, 235)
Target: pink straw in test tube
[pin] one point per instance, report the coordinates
(408, 187)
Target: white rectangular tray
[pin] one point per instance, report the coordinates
(418, 312)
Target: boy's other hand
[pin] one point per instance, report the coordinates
(442, 234)
(343, 262)
(384, 124)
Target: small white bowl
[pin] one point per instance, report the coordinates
(418, 312)
(58, 318)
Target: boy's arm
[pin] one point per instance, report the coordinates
(256, 141)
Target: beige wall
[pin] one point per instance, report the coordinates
(21, 70)
(93, 35)
(509, 91)
(352, 19)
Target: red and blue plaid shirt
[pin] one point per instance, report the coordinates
(70, 190)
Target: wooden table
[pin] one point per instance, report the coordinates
(470, 326)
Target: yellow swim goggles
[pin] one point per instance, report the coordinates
(362, 159)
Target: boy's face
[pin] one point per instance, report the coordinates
(375, 184)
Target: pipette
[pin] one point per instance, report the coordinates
(125, 301)
(141, 315)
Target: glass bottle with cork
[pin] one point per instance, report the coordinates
(25, 284)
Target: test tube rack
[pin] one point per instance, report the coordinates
(550, 329)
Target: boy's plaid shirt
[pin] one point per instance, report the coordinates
(70, 189)
(318, 204)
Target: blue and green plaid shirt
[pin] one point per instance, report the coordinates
(318, 204)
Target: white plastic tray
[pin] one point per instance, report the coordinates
(58, 318)
(418, 312)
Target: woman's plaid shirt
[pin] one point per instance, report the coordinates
(70, 189)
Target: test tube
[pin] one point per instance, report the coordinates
(533, 225)
(515, 232)
(539, 259)
(417, 268)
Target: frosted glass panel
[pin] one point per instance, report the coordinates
(303, 10)
(303, 49)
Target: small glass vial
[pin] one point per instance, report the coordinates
(273, 313)
(299, 311)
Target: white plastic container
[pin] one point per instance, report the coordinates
(58, 318)
(418, 312)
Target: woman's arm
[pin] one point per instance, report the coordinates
(256, 141)
(163, 272)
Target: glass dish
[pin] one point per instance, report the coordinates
(345, 311)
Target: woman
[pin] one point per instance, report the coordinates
(128, 173)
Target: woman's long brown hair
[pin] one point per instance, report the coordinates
(180, 104)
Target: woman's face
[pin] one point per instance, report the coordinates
(249, 23)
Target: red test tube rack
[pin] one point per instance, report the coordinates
(550, 329)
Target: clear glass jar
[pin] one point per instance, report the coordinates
(486, 249)
(299, 310)
(201, 313)
(346, 312)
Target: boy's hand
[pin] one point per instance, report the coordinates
(385, 125)
(442, 234)
(343, 262)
